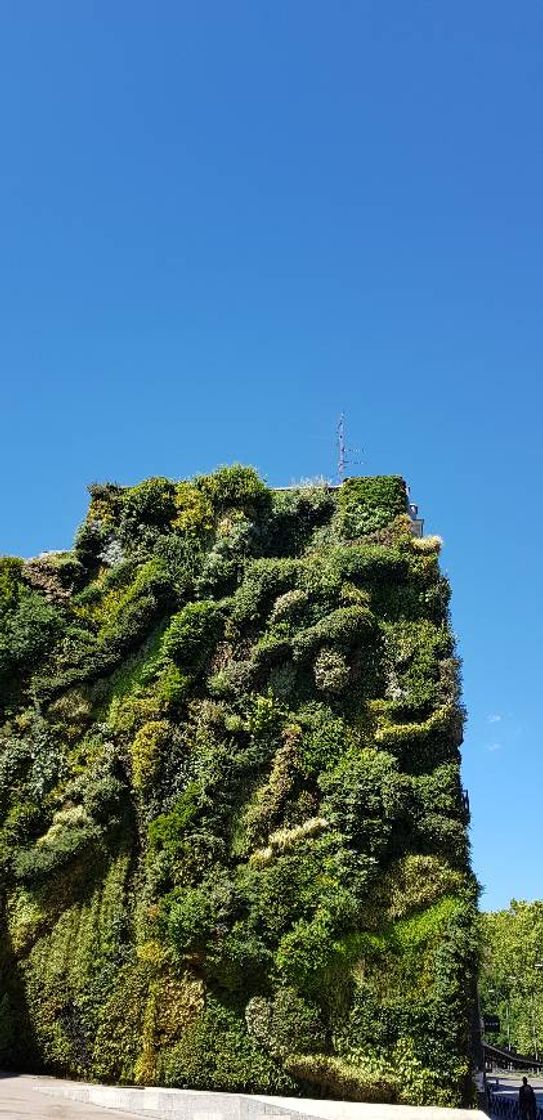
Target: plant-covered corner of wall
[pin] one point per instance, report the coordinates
(232, 833)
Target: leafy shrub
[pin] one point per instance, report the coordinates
(267, 802)
(216, 1053)
(234, 680)
(263, 581)
(165, 832)
(418, 1084)
(285, 838)
(235, 487)
(29, 630)
(103, 798)
(422, 746)
(325, 737)
(150, 503)
(306, 951)
(196, 914)
(280, 893)
(342, 1081)
(284, 1022)
(71, 713)
(90, 540)
(238, 961)
(341, 628)
(127, 617)
(296, 514)
(418, 881)
(377, 567)
(112, 554)
(331, 671)
(283, 683)
(191, 635)
(171, 687)
(194, 509)
(416, 651)
(367, 504)
(106, 499)
(127, 713)
(364, 798)
(20, 826)
(291, 605)
(10, 582)
(71, 835)
(150, 740)
(27, 634)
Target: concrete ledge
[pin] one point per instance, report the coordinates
(188, 1104)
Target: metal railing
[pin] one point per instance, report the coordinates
(503, 1106)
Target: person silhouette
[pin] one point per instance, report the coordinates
(526, 1101)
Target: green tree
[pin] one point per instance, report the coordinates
(511, 983)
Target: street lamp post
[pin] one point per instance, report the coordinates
(537, 967)
(508, 1007)
(507, 1020)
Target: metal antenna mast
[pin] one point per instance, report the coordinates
(343, 449)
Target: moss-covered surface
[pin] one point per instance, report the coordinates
(233, 842)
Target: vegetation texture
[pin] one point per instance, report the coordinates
(512, 975)
(233, 839)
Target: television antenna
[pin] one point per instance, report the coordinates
(343, 450)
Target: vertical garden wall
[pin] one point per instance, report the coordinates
(233, 840)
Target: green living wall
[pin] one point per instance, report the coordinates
(233, 842)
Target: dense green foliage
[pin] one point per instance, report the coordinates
(233, 842)
(511, 983)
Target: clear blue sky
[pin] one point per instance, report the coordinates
(224, 222)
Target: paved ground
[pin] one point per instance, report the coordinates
(26, 1096)
(18, 1099)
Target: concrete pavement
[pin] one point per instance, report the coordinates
(48, 1098)
(19, 1099)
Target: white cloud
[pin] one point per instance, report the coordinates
(494, 747)
(494, 719)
